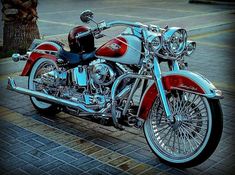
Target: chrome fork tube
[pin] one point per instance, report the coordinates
(132, 93)
(175, 65)
(113, 93)
(161, 91)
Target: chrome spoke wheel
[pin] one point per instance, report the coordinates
(183, 138)
(41, 67)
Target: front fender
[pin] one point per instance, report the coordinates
(44, 50)
(180, 80)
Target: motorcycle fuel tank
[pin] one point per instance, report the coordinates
(122, 49)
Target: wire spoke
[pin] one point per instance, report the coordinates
(165, 135)
(159, 131)
(198, 134)
(168, 141)
(192, 124)
(192, 102)
(195, 141)
(182, 137)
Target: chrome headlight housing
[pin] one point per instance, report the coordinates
(190, 47)
(175, 40)
(154, 41)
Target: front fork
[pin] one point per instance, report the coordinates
(161, 91)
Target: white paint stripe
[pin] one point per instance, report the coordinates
(54, 22)
(210, 25)
(76, 10)
(127, 16)
(209, 34)
(221, 46)
(54, 36)
(167, 9)
(199, 15)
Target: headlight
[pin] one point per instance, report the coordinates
(190, 47)
(154, 41)
(175, 40)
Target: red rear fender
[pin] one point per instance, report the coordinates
(41, 51)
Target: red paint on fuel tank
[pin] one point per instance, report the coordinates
(116, 47)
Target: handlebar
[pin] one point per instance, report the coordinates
(108, 25)
(126, 23)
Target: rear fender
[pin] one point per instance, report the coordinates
(44, 50)
(180, 80)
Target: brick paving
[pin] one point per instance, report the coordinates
(31, 143)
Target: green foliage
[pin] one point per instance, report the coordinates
(6, 54)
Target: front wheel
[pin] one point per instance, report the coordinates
(193, 134)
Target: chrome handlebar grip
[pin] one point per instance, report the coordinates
(80, 35)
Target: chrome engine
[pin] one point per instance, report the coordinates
(90, 85)
(102, 74)
(54, 78)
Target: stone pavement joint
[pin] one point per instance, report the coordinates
(85, 147)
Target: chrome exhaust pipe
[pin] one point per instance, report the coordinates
(12, 86)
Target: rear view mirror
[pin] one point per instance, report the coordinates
(86, 16)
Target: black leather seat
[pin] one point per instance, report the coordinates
(70, 58)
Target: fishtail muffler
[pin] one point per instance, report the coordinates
(45, 97)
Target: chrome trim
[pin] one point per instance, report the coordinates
(190, 48)
(124, 92)
(175, 65)
(130, 96)
(125, 23)
(102, 74)
(12, 86)
(160, 88)
(210, 91)
(17, 57)
(154, 41)
(132, 92)
(169, 35)
(114, 89)
(79, 76)
(44, 51)
(51, 43)
(57, 46)
(142, 98)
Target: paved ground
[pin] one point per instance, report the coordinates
(36, 144)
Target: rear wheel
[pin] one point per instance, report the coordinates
(41, 67)
(193, 134)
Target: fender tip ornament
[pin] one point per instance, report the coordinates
(15, 57)
(219, 93)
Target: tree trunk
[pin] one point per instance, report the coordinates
(18, 36)
(20, 27)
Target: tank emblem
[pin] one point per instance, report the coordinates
(114, 46)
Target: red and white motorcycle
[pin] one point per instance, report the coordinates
(179, 110)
